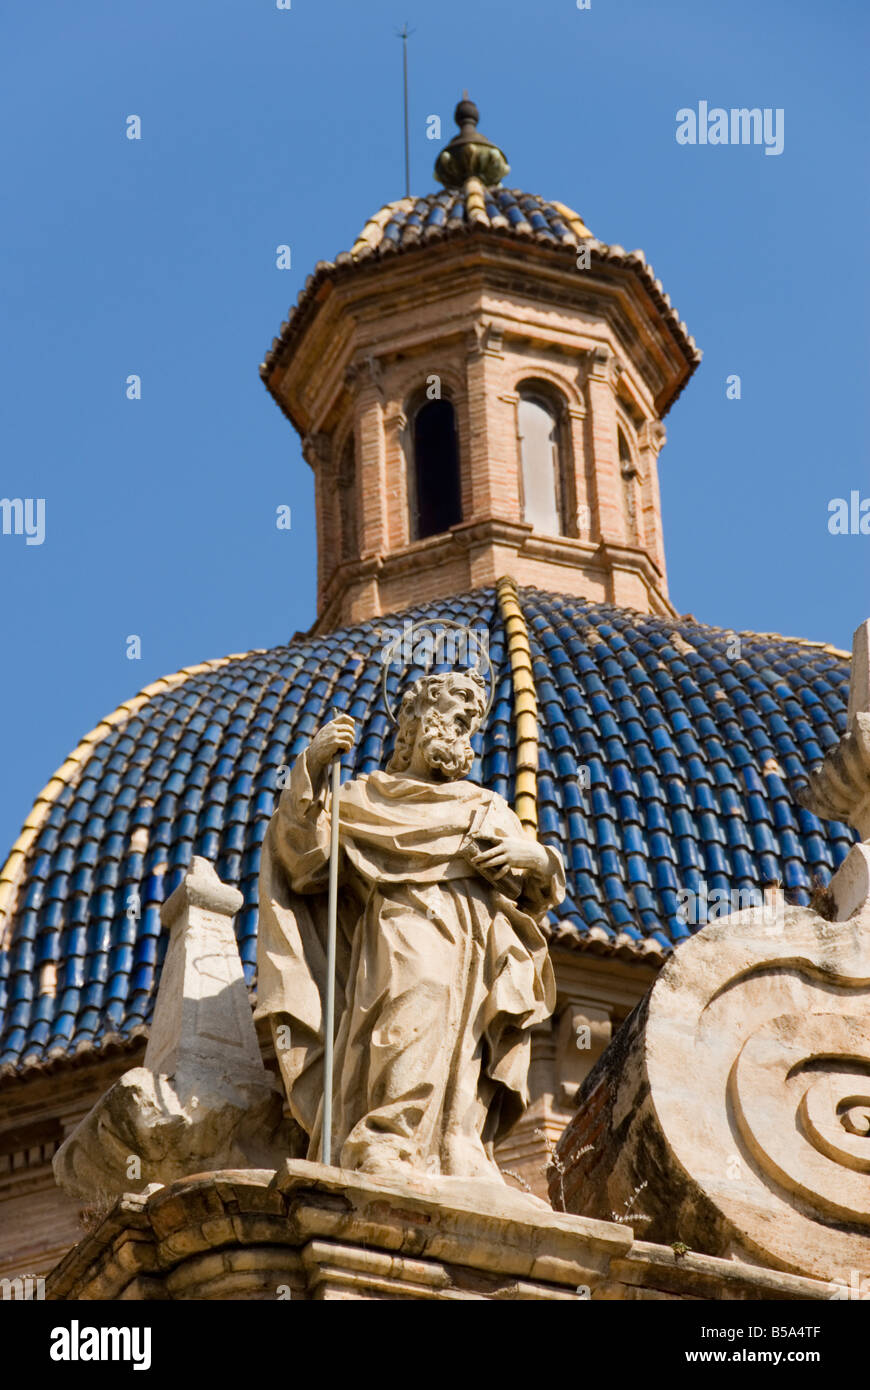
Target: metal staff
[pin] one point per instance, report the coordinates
(331, 934)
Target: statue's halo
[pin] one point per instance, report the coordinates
(396, 655)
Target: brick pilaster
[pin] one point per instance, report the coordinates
(601, 435)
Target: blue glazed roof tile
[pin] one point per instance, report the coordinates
(674, 745)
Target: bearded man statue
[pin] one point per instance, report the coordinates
(442, 967)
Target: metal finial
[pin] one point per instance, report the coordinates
(469, 154)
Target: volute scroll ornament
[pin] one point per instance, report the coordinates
(736, 1099)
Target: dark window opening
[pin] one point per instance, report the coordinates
(436, 469)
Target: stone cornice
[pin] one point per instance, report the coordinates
(436, 551)
(610, 265)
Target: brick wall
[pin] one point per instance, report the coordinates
(481, 324)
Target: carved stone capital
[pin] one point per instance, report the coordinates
(652, 435)
(486, 337)
(599, 364)
(317, 450)
(366, 370)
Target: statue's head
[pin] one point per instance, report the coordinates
(437, 717)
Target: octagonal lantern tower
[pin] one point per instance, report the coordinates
(557, 357)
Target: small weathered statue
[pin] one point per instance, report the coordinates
(442, 968)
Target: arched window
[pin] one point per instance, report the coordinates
(630, 497)
(541, 465)
(436, 497)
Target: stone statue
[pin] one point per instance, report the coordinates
(442, 968)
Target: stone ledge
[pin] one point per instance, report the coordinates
(691, 1275)
(463, 1222)
(316, 1234)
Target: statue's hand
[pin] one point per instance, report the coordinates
(335, 737)
(515, 852)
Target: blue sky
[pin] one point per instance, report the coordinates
(263, 126)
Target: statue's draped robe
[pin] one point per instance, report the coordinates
(440, 975)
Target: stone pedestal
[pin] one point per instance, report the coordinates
(316, 1234)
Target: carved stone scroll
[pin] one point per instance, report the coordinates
(731, 1114)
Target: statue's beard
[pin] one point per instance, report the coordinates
(446, 748)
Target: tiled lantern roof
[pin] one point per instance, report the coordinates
(473, 202)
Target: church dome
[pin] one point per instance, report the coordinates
(693, 758)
